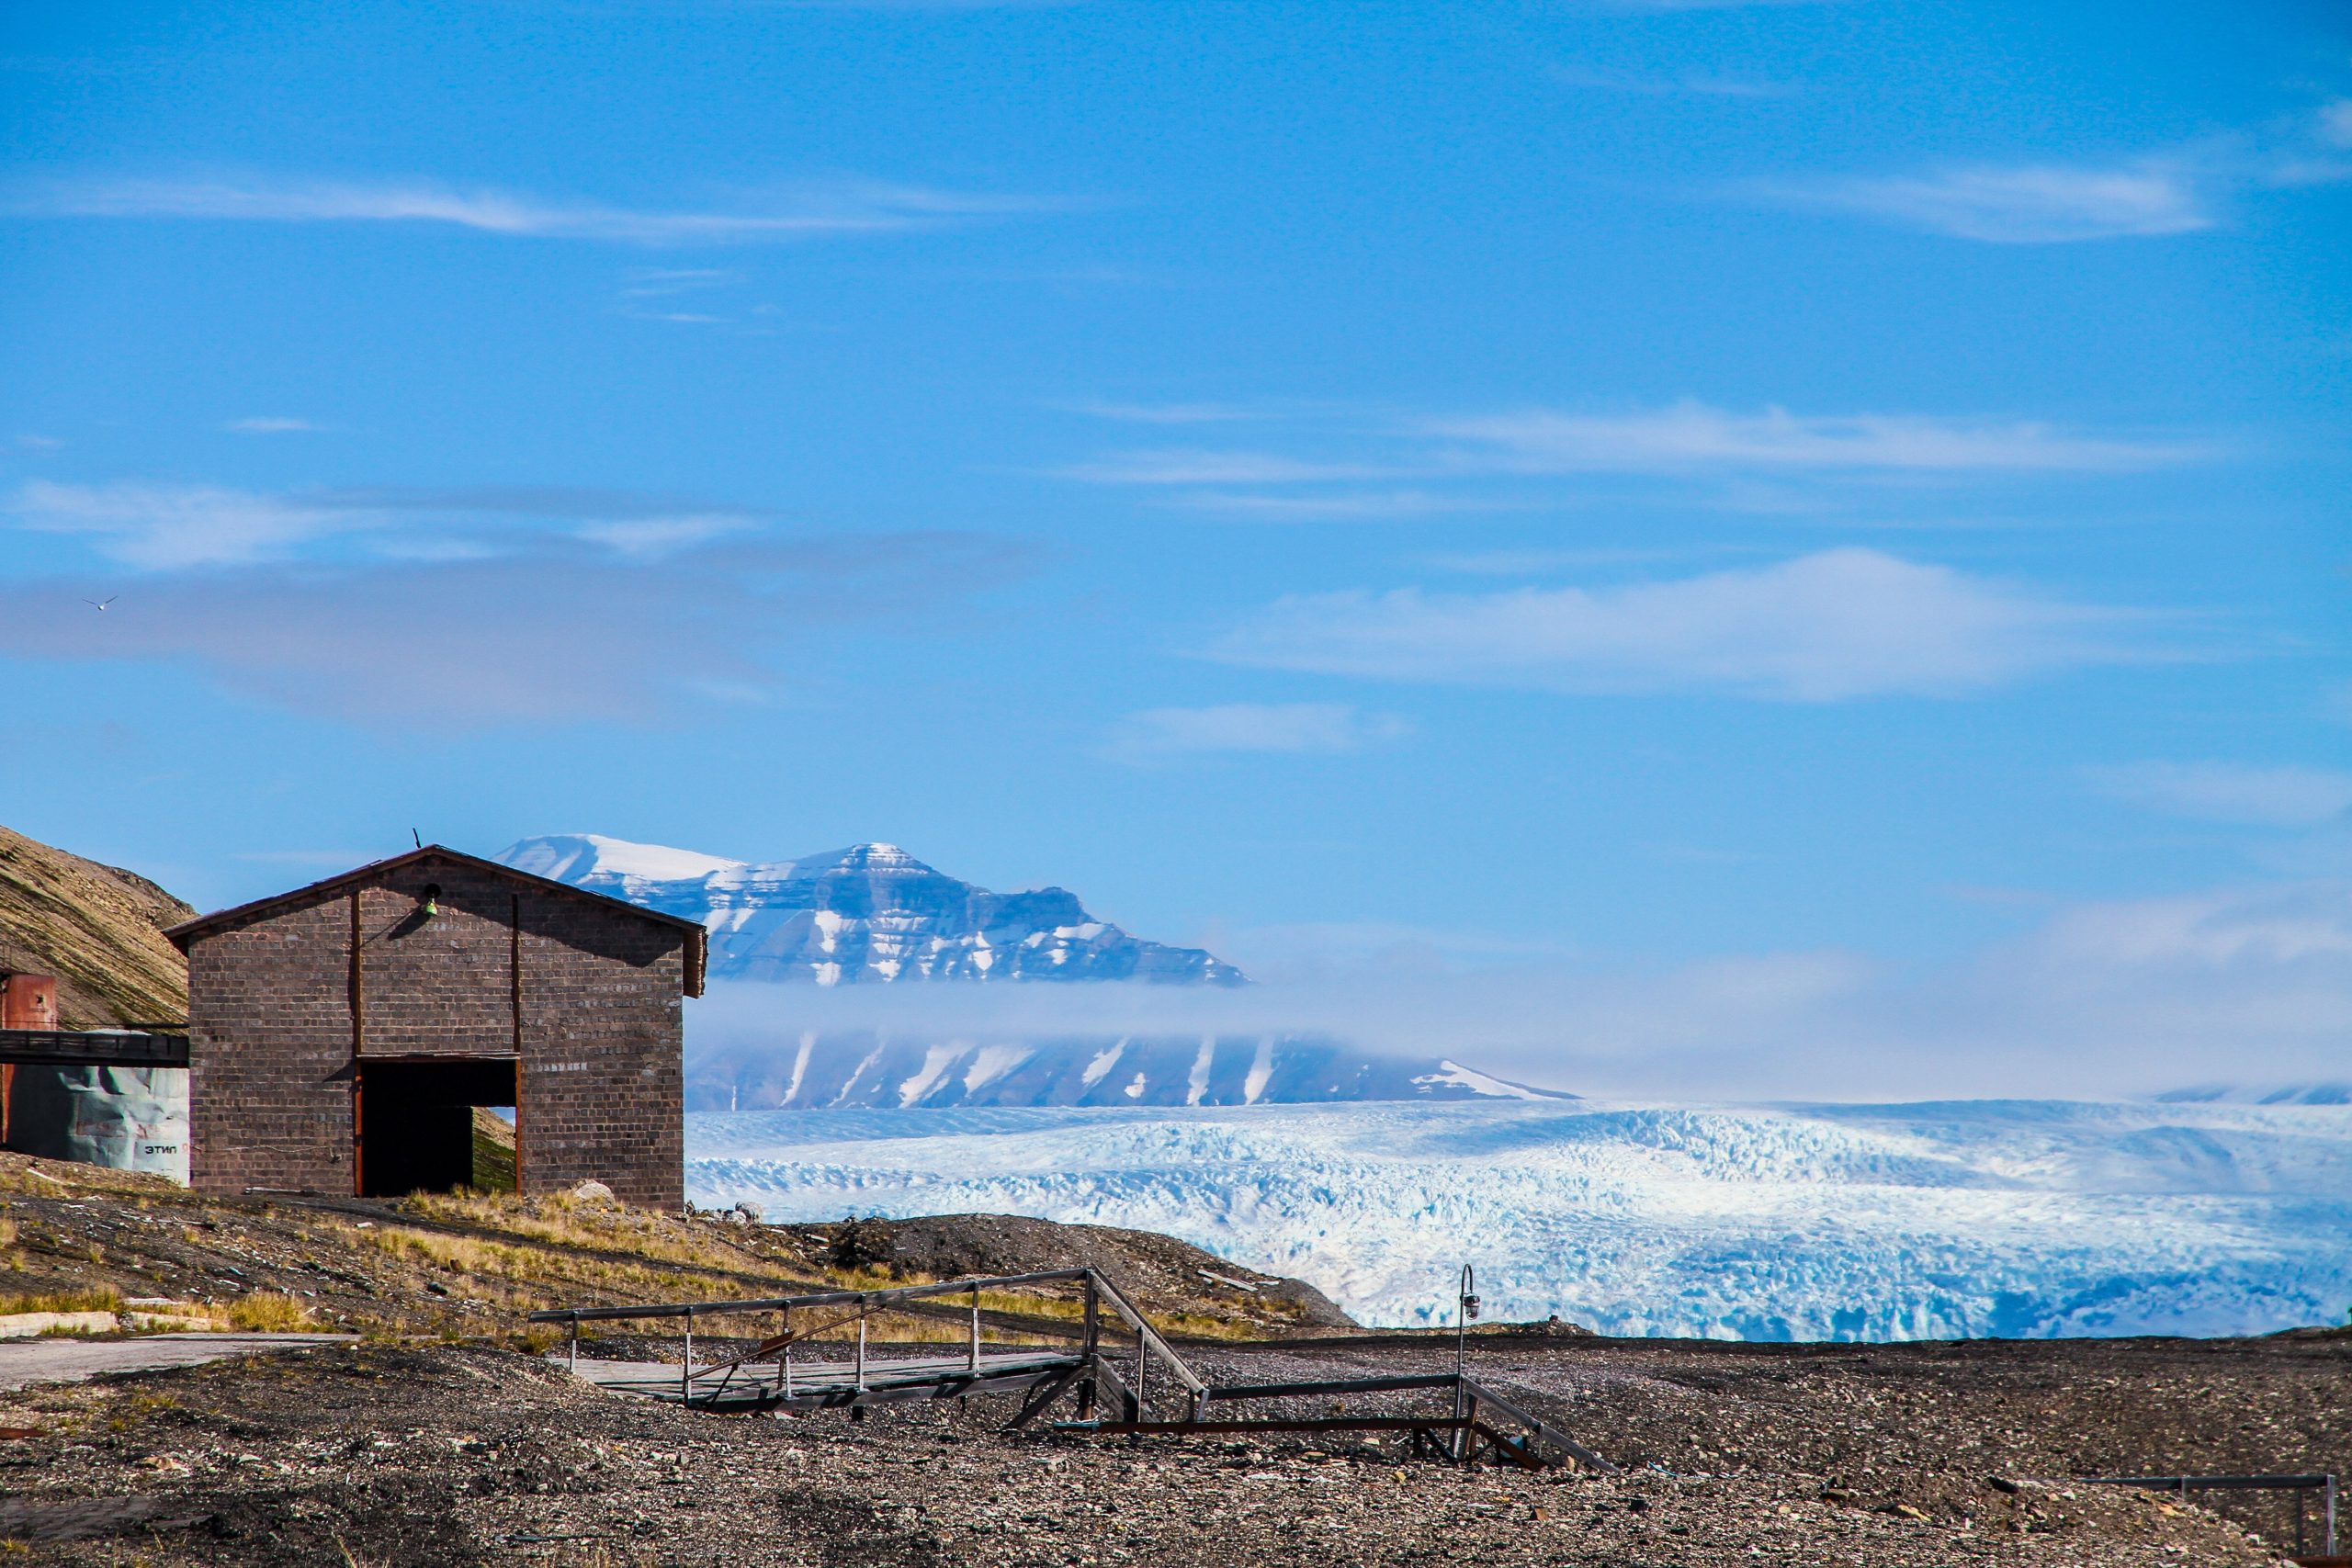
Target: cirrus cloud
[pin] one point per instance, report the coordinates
(2226, 792)
(807, 210)
(1691, 434)
(1285, 728)
(1822, 627)
(2026, 205)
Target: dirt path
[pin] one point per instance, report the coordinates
(24, 1363)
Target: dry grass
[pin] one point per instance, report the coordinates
(97, 1297)
(267, 1312)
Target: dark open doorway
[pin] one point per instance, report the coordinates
(425, 1126)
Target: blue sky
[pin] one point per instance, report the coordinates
(1848, 497)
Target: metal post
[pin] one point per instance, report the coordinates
(975, 1329)
(1143, 1364)
(572, 1357)
(784, 1357)
(1468, 1305)
(1465, 1307)
(861, 1345)
(686, 1367)
(2329, 1503)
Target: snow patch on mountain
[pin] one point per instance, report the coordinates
(871, 914)
(2013, 1218)
(872, 1070)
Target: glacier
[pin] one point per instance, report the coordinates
(2017, 1218)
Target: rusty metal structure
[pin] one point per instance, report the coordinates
(50, 1074)
(1123, 1377)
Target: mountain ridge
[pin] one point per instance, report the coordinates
(869, 914)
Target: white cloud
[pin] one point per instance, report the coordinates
(1691, 434)
(649, 538)
(1194, 468)
(849, 206)
(31, 441)
(2223, 792)
(1291, 729)
(167, 527)
(663, 282)
(552, 632)
(2033, 204)
(266, 425)
(1344, 503)
(1427, 456)
(1837, 624)
(180, 528)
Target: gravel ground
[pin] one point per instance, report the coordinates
(70, 1360)
(1873, 1457)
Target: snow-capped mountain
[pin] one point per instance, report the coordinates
(868, 914)
(2336, 1093)
(2013, 1218)
(865, 1070)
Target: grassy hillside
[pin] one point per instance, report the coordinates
(457, 1266)
(98, 929)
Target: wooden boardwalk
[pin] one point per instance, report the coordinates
(787, 1372)
(828, 1384)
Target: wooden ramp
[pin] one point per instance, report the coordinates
(801, 1384)
(1125, 1379)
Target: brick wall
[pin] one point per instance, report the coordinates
(599, 1031)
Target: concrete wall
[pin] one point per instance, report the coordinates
(276, 1010)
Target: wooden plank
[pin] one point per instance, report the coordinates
(1044, 1394)
(1134, 1320)
(1123, 1397)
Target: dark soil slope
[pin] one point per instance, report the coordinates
(1160, 1267)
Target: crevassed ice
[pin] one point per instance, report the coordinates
(2012, 1218)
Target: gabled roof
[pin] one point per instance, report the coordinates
(187, 931)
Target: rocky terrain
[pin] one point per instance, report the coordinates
(446, 1437)
(98, 929)
(1889, 1458)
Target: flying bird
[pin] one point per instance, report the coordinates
(99, 604)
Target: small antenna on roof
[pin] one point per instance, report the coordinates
(418, 837)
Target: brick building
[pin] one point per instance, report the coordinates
(340, 1035)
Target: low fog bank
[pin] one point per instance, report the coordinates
(2250, 988)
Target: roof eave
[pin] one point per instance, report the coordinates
(186, 931)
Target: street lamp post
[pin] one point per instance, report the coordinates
(1466, 1308)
